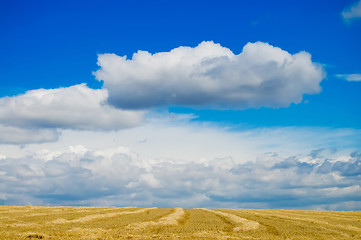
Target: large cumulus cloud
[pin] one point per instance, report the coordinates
(210, 75)
(118, 176)
(75, 107)
(34, 116)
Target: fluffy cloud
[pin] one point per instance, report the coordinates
(350, 77)
(176, 137)
(210, 75)
(14, 135)
(75, 107)
(353, 12)
(117, 176)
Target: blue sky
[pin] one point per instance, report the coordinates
(48, 45)
(210, 90)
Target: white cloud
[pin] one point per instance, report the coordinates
(186, 164)
(350, 77)
(116, 176)
(14, 135)
(352, 12)
(176, 137)
(148, 179)
(75, 107)
(210, 75)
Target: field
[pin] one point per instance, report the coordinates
(177, 223)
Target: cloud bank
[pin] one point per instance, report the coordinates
(210, 75)
(117, 176)
(352, 12)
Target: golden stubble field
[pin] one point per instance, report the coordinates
(176, 223)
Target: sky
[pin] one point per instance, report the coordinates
(217, 104)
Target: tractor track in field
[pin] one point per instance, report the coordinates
(303, 218)
(97, 216)
(170, 219)
(241, 224)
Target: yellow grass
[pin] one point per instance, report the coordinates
(178, 223)
(243, 223)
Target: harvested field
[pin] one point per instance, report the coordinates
(242, 223)
(178, 223)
